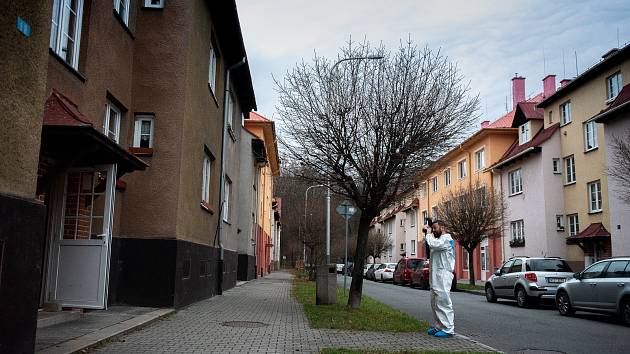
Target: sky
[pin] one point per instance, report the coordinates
(489, 40)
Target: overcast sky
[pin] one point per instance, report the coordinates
(490, 40)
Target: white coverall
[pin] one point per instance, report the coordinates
(442, 264)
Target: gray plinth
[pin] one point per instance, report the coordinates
(326, 285)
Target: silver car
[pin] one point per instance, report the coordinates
(603, 287)
(528, 280)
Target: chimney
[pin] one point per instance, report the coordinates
(518, 89)
(549, 85)
(485, 124)
(564, 82)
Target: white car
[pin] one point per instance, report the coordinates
(385, 272)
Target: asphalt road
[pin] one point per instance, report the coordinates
(509, 328)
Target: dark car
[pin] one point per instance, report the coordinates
(370, 273)
(420, 275)
(402, 274)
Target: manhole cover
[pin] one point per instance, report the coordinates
(244, 324)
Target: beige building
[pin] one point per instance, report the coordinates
(583, 153)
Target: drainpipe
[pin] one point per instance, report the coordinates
(226, 94)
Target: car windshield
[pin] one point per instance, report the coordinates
(414, 263)
(391, 266)
(548, 265)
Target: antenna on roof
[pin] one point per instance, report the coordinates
(564, 67)
(576, 65)
(506, 106)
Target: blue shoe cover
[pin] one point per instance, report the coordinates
(442, 334)
(432, 331)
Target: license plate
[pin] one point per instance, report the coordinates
(556, 280)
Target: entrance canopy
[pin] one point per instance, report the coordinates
(69, 139)
(594, 232)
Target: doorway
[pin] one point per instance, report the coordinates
(484, 259)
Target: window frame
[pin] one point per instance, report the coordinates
(556, 166)
(227, 191)
(413, 247)
(517, 229)
(206, 178)
(609, 89)
(598, 201)
(462, 169)
(511, 182)
(124, 18)
(212, 69)
(446, 176)
(574, 228)
(56, 47)
(108, 109)
(137, 130)
(566, 114)
(590, 133)
(524, 136)
(479, 167)
(435, 184)
(566, 170)
(412, 217)
(560, 223)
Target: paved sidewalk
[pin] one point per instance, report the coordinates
(266, 302)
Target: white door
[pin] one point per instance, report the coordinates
(81, 231)
(484, 259)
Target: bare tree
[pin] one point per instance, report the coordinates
(377, 244)
(367, 126)
(472, 214)
(620, 166)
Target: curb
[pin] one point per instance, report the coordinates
(91, 340)
(474, 292)
(487, 347)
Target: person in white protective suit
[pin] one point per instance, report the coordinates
(442, 264)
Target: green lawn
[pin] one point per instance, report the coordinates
(461, 286)
(359, 351)
(372, 316)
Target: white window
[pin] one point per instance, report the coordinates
(413, 247)
(143, 132)
(434, 212)
(390, 227)
(590, 136)
(595, 196)
(111, 124)
(560, 222)
(565, 112)
(574, 225)
(613, 85)
(402, 246)
(516, 182)
(205, 183)
(412, 218)
(556, 166)
(156, 4)
(550, 115)
(212, 70)
(65, 33)
(402, 222)
(434, 183)
(569, 169)
(425, 216)
(518, 229)
(226, 199)
(480, 159)
(524, 133)
(122, 8)
(461, 169)
(447, 177)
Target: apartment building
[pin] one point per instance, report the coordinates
(584, 154)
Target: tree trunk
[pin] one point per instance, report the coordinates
(356, 286)
(471, 266)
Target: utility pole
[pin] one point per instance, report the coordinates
(328, 225)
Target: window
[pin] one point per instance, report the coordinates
(550, 115)
(594, 271)
(111, 124)
(518, 229)
(425, 216)
(524, 133)
(574, 225)
(447, 177)
(480, 159)
(402, 222)
(122, 9)
(229, 109)
(465, 260)
(402, 247)
(613, 86)
(413, 247)
(389, 254)
(506, 267)
(412, 218)
(517, 266)
(565, 112)
(434, 212)
(595, 196)
(65, 33)
(434, 183)
(618, 269)
(143, 132)
(547, 265)
(559, 222)
(390, 228)
(186, 268)
(590, 136)
(556, 166)
(569, 168)
(516, 182)
(226, 199)
(205, 179)
(212, 70)
(155, 4)
(461, 169)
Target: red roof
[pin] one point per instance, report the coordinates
(60, 110)
(622, 99)
(593, 230)
(530, 110)
(516, 149)
(506, 120)
(255, 116)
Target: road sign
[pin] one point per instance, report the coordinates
(346, 209)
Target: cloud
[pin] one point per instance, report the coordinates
(490, 40)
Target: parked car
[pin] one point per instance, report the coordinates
(402, 273)
(340, 267)
(370, 273)
(604, 287)
(528, 280)
(366, 267)
(385, 272)
(420, 275)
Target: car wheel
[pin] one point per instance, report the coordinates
(625, 311)
(490, 295)
(563, 303)
(522, 300)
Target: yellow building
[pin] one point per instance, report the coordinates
(583, 153)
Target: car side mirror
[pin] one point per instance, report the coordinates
(577, 275)
(497, 272)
